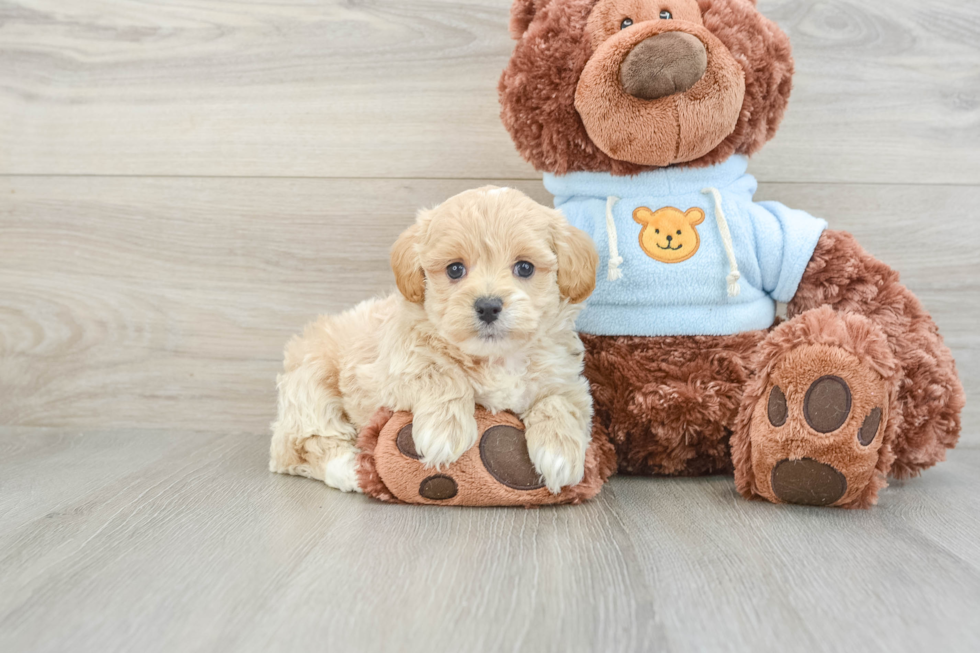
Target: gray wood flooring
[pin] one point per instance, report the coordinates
(184, 184)
(178, 541)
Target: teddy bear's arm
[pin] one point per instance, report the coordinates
(843, 275)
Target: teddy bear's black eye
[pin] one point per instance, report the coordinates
(666, 15)
(678, 232)
(524, 269)
(656, 231)
(455, 270)
(626, 23)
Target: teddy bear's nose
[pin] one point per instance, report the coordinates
(663, 65)
(669, 238)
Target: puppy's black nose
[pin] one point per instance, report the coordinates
(488, 308)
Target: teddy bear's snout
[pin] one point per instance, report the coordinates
(662, 65)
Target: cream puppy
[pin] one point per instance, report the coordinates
(490, 284)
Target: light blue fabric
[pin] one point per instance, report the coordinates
(772, 245)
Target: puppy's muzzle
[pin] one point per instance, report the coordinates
(488, 309)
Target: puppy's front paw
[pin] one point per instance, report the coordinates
(559, 458)
(341, 472)
(442, 436)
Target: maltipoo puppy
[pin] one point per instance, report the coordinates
(490, 284)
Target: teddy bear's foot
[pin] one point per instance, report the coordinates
(814, 429)
(497, 471)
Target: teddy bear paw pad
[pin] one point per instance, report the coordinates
(438, 487)
(503, 451)
(807, 482)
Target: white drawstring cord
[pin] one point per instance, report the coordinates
(726, 239)
(615, 260)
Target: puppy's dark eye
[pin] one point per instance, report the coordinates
(455, 270)
(626, 23)
(666, 15)
(524, 269)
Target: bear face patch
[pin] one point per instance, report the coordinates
(669, 235)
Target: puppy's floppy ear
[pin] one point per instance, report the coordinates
(406, 265)
(577, 261)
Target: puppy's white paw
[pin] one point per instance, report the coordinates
(341, 472)
(559, 460)
(442, 437)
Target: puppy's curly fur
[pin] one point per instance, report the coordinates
(427, 351)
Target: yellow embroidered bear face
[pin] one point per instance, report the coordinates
(669, 235)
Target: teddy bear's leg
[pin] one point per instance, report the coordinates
(857, 385)
(498, 471)
(815, 426)
(669, 404)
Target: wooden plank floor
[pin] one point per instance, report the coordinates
(177, 541)
(183, 185)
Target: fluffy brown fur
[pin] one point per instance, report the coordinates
(669, 404)
(537, 89)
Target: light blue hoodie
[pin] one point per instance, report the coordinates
(670, 291)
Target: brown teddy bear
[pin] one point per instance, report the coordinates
(642, 114)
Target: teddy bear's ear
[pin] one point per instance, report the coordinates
(643, 215)
(521, 15)
(695, 216)
(405, 263)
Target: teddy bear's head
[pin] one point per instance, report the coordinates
(624, 86)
